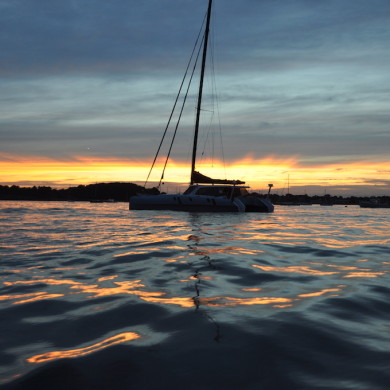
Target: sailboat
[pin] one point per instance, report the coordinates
(205, 193)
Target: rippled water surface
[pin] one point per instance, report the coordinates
(95, 296)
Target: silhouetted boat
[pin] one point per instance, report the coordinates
(204, 193)
(374, 204)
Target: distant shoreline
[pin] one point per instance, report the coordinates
(100, 192)
(121, 192)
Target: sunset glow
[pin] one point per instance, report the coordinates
(303, 177)
(285, 106)
(165, 172)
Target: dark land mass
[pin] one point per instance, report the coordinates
(121, 192)
(326, 200)
(118, 192)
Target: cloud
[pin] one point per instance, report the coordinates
(99, 78)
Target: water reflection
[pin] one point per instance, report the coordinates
(294, 269)
(114, 270)
(230, 301)
(72, 353)
(107, 278)
(321, 292)
(52, 282)
(306, 270)
(364, 274)
(26, 298)
(215, 254)
(205, 278)
(132, 288)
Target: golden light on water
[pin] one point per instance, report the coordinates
(110, 285)
(178, 301)
(256, 172)
(364, 274)
(294, 269)
(350, 272)
(31, 297)
(319, 293)
(51, 282)
(71, 353)
(107, 286)
(107, 278)
(256, 301)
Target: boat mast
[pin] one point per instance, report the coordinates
(198, 108)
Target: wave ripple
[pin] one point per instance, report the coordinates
(97, 297)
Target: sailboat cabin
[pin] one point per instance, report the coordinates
(229, 192)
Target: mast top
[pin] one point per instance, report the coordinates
(200, 93)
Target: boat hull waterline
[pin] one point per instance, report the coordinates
(200, 203)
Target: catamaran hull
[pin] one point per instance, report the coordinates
(200, 203)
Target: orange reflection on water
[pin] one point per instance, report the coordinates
(175, 259)
(8, 297)
(66, 268)
(127, 287)
(17, 271)
(192, 278)
(120, 338)
(362, 274)
(283, 306)
(52, 282)
(256, 301)
(250, 251)
(40, 297)
(180, 301)
(345, 268)
(107, 278)
(31, 297)
(318, 293)
(229, 249)
(136, 252)
(216, 301)
(356, 272)
(295, 269)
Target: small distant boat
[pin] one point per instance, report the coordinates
(102, 201)
(294, 203)
(292, 200)
(375, 204)
(326, 200)
(205, 193)
(288, 203)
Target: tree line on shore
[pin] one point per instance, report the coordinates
(121, 192)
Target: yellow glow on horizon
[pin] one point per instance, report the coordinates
(256, 172)
(78, 170)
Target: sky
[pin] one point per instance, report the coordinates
(303, 87)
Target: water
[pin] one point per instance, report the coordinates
(94, 296)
